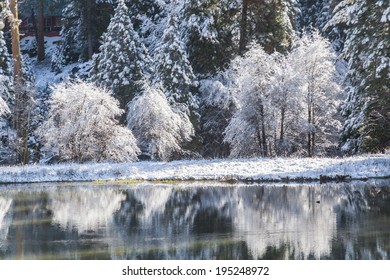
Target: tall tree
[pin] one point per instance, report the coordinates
(122, 61)
(20, 111)
(367, 49)
(315, 61)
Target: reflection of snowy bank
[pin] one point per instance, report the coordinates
(298, 221)
(289, 218)
(84, 209)
(153, 201)
(5, 219)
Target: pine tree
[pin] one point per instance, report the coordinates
(367, 50)
(173, 69)
(123, 60)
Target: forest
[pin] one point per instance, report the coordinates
(128, 80)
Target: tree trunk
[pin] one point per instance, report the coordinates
(20, 122)
(34, 23)
(40, 31)
(263, 134)
(89, 31)
(16, 55)
(243, 27)
(309, 134)
(280, 148)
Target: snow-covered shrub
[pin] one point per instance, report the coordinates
(159, 129)
(82, 126)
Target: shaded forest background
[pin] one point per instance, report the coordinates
(170, 79)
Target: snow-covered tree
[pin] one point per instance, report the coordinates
(289, 103)
(283, 99)
(367, 50)
(82, 126)
(123, 60)
(160, 130)
(251, 128)
(173, 69)
(315, 62)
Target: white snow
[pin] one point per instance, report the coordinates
(275, 169)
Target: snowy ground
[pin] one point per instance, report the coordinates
(278, 169)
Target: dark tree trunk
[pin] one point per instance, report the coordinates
(89, 31)
(263, 134)
(34, 23)
(41, 30)
(243, 27)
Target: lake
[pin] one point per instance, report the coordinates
(195, 221)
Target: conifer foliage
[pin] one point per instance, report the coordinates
(122, 61)
(367, 49)
(173, 69)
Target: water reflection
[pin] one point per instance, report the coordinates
(335, 221)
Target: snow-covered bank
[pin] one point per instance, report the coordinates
(277, 169)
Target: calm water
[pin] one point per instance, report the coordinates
(335, 221)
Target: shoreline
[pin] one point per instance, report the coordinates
(255, 170)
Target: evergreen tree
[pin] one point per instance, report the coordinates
(173, 69)
(123, 60)
(367, 49)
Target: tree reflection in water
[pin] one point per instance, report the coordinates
(328, 221)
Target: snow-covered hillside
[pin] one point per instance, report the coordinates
(260, 169)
